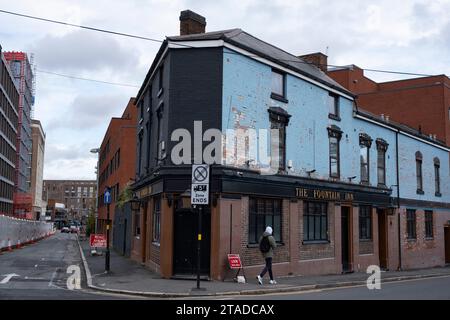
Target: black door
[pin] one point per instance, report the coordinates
(345, 239)
(185, 242)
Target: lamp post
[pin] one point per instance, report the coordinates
(97, 151)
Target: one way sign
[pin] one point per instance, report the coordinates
(107, 196)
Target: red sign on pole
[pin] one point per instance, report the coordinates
(235, 261)
(97, 241)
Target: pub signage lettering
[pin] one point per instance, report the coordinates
(317, 194)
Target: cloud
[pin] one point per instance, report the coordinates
(89, 112)
(83, 51)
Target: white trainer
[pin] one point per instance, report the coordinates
(273, 282)
(259, 279)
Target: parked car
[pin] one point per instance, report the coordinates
(74, 229)
(65, 230)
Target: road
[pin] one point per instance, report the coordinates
(419, 289)
(39, 271)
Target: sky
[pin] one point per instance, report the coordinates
(401, 35)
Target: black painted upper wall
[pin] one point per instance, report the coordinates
(196, 90)
(192, 90)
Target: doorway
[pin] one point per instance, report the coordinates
(346, 227)
(382, 239)
(447, 244)
(185, 242)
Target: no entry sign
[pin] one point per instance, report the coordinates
(97, 241)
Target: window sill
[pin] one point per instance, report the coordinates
(278, 97)
(429, 239)
(418, 191)
(160, 92)
(365, 240)
(306, 242)
(411, 240)
(256, 245)
(334, 117)
(156, 244)
(437, 194)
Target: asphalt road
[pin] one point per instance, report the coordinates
(419, 289)
(40, 271)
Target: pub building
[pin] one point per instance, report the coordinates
(350, 190)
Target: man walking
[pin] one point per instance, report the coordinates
(266, 245)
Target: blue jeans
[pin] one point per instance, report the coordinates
(268, 267)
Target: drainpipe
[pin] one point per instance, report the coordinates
(398, 205)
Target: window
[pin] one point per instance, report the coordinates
(161, 79)
(156, 220)
(365, 223)
(364, 146)
(382, 146)
(334, 134)
(141, 111)
(263, 213)
(278, 82)
(428, 224)
(419, 173)
(160, 133)
(437, 178)
(279, 119)
(333, 106)
(315, 221)
(411, 223)
(137, 223)
(139, 154)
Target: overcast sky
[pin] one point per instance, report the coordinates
(411, 36)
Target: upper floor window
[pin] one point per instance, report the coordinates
(334, 134)
(364, 146)
(278, 85)
(279, 119)
(419, 172)
(333, 106)
(437, 178)
(160, 79)
(141, 111)
(382, 147)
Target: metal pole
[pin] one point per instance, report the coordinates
(199, 238)
(107, 240)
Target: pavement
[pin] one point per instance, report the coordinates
(129, 277)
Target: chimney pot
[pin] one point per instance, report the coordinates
(191, 23)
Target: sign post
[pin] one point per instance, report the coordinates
(107, 200)
(199, 198)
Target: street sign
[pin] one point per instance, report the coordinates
(200, 184)
(97, 241)
(107, 197)
(235, 261)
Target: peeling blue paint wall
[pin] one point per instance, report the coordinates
(246, 99)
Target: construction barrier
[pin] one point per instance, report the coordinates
(15, 233)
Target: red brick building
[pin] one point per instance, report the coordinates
(420, 103)
(117, 160)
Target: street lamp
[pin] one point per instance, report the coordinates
(97, 151)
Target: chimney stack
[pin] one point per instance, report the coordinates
(191, 23)
(317, 59)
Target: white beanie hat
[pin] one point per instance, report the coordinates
(269, 230)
